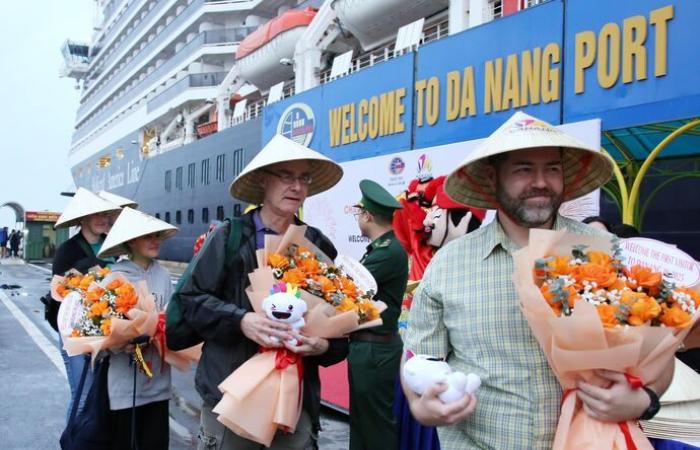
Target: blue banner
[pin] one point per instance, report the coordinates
(631, 62)
(483, 75)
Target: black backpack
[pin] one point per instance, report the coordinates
(176, 328)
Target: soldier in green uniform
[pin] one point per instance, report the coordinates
(375, 353)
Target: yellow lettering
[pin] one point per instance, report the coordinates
(585, 55)
(346, 124)
(634, 33)
(468, 104)
(511, 88)
(550, 74)
(399, 110)
(452, 96)
(335, 127)
(494, 82)
(386, 113)
(432, 103)
(531, 77)
(608, 55)
(659, 18)
(361, 122)
(353, 130)
(373, 117)
(420, 101)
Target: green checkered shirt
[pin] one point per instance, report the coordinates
(466, 309)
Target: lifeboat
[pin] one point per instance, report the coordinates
(259, 54)
(375, 23)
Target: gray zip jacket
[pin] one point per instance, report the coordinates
(121, 370)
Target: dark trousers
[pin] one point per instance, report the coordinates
(373, 368)
(152, 427)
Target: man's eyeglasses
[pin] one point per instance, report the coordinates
(289, 179)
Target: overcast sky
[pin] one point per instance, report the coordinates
(37, 107)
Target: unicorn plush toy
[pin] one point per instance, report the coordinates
(285, 305)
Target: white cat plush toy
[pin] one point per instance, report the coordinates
(422, 371)
(285, 305)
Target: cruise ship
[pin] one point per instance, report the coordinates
(176, 96)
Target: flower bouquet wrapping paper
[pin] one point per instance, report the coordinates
(270, 383)
(590, 312)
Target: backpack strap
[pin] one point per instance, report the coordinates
(234, 241)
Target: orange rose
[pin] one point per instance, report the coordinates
(62, 290)
(125, 290)
(691, 293)
(75, 333)
(674, 316)
(301, 250)
(102, 272)
(347, 304)
(114, 284)
(327, 286)
(124, 304)
(98, 309)
(640, 276)
(86, 281)
(557, 306)
(608, 314)
(73, 281)
(95, 294)
(278, 261)
(309, 266)
(559, 266)
(642, 308)
(367, 311)
(346, 286)
(603, 276)
(599, 258)
(295, 277)
(106, 327)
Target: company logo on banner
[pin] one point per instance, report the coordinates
(396, 166)
(425, 167)
(297, 123)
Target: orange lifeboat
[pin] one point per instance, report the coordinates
(259, 54)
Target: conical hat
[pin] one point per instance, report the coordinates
(118, 199)
(132, 224)
(685, 386)
(324, 172)
(83, 204)
(585, 168)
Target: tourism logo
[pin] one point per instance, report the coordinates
(530, 124)
(425, 167)
(297, 123)
(396, 166)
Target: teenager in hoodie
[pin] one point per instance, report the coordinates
(139, 236)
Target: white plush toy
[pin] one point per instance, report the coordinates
(422, 371)
(285, 305)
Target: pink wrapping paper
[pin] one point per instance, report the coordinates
(578, 345)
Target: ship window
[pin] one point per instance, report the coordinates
(205, 172)
(219, 213)
(237, 210)
(220, 167)
(205, 215)
(167, 216)
(191, 175)
(178, 217)
(190, 216)
(168, 180)
(119, 153)
(237, 162)
(157, 215)
(178, 178)
(104, 161)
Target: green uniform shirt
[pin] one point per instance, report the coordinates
(466, 309)
(388, 263)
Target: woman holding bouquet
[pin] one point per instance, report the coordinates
(92, 214)
(139, 236)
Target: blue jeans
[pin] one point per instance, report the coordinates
(74, 369)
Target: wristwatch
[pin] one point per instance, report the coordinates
(654, 406)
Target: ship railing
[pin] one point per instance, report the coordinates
(493, 9)
(116, 27)
(143, 53)
(190, 81)
(431, 33)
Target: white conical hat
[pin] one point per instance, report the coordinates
(132, 224)
(585, 168)
(685, 386)
(324, 172)
(118, 199)
(84, 203)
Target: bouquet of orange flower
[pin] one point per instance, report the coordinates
(108, 315)
(295, 260)
(74, 281)
(588, 312)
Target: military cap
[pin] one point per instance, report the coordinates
(376, 199)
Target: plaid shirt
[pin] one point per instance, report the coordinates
(466, 309)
